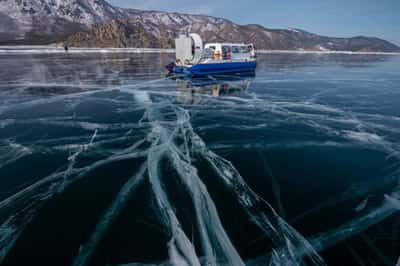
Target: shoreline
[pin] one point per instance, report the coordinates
(43, 49)
(76, 50)
(324, 52)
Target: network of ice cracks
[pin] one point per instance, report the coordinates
(171, 136)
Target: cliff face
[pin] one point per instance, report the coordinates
(116, 34)
(95, 23)
(147, 30)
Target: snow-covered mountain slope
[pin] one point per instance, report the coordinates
(85, 12)
(96, 23)
(44, 21)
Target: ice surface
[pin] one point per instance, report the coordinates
(12, 152)
(394, 201)
(354, 227)
(216, 245)
(147, 122)
(361, 206)
(107, 219)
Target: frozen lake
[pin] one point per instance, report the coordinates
(106, 161)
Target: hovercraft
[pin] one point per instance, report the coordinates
(214, 58)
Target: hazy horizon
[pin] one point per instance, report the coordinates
(331, 18)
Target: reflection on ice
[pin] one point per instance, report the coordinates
(190, 91)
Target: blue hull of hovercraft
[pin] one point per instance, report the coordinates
(216, 68)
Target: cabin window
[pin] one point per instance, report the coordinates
(226, 52)
(212, 47)
(235, 49)
(244, 49)
(208, 53)
(226, 49)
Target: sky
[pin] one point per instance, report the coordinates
(339, 18)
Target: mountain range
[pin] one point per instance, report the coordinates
(96, 23)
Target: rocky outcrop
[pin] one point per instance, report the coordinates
(116, 34)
